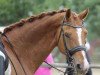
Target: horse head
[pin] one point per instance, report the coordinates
(71, 38)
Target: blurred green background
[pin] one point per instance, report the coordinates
(13, 10)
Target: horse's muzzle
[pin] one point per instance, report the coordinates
(82, 68)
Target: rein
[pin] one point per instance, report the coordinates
(19, 60)
(14, 54)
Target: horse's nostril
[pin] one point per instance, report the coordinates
(78, 66)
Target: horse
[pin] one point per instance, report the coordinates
(29, 41)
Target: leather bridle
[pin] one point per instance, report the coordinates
(69, 52)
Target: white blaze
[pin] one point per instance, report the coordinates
(86, 63)
(79, 32)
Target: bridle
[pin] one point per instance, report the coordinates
(69, 52)
(75, 49)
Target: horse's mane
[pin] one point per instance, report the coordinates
(31, 19)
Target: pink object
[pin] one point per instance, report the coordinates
(45, 70)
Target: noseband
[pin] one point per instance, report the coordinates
(69, 52)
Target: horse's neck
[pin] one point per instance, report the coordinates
(34, 44)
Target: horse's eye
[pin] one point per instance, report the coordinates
(67, 35)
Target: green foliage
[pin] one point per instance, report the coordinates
(13, 10)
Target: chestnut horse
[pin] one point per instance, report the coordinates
(30, 41)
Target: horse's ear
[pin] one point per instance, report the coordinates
(83, 14)
(68, 14)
